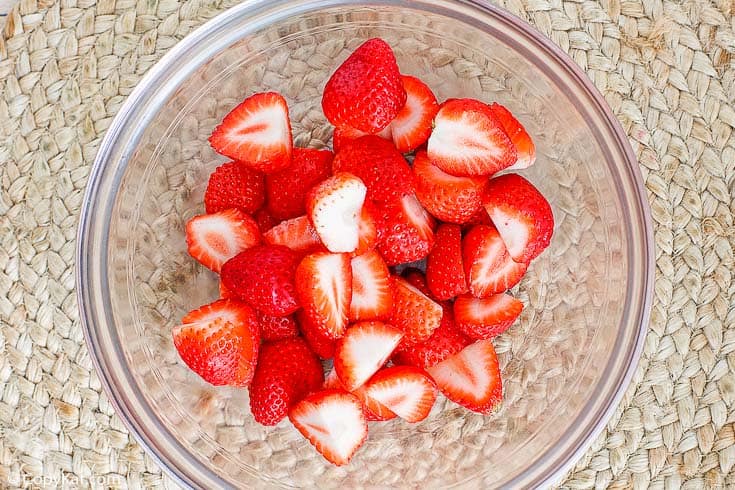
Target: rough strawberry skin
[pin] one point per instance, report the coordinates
(406, 231)
(445, 273)
(286, 189)
(233, 185)
(319, 343)
(274, 328)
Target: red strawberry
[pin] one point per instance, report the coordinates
(365, 92)
(324, 286)
(334, 207)
(213, 239)
(297, 234)
(517, 133)
(467, 140)
(346, 134)
(277, 327)
(287, 188)
(380, 166)
(257, 133)
(413, 313)
(372, 296)
(404, 390)
(488, 266)
(219, 342)
(471, 378)
(445, 274)
(412, 126)
(320, 344)
(407, 231)
(448, 198)
(333, 421)
(225, 293)
(521, 214)
(486, 318)
(265, 220)
(446, 341)
(234, 185)
(367, 228)
(479, 218)
(287, 371)
(363, 350)
(416, 278)
(374, 411)
(263, 277)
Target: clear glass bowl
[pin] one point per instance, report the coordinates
(565, 364)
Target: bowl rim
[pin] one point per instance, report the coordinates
(89, 303)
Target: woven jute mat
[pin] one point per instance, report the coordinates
(667, 69)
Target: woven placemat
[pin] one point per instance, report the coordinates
(667, 69)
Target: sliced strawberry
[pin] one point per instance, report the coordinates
(365, 92)
(471, 378)
(298, 234)
(467, 140)
(346, 134)
(488, 266)
(446, 197)
(407, 231)
(287, 189)
(412, 126)
(525, 148)
(324, 286)
(479, 218)
(372, 295)
(488, 317)
(274, 328)
(219, 342)
(406, 391)
(413, 313)
(265, 220)
(234, 185)
(363, 350)
(263, 277)
(416, 278)
(445, 274)
(225, 293)
(213, 239)
(374, 411)
(334, 207)
(333, 421)
(521, 214)
(287, 371)
(367, 228)
(257, 133)
(319, 343)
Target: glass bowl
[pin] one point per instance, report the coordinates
(566, 363)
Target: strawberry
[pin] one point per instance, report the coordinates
(372, 295)
(446, 197)
(412, 126)
(365, 92)
(444, 342)
(298, 234)
(324, 286)
(319, 343)
(413, 313)
(416, 278)
(521, 214)
(286, 189)
(334, 423)
(471, 378)
(445, 274)
(380, 166)
(263, 277)
(488, 317)
(525, 148)
(213, 239)
(345, 134)
(219, 342)
(234, 185)
(407, 231)
(225, 293)
(363, 350)
(488, 266)
(406, 391)
(277, 327)
(257, 133)
(367, 228)
(287, 371)
(479, 218)
(374, 411)
(467, 140)
(265, 220)
(334, 207)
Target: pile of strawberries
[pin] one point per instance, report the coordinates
(310, 246)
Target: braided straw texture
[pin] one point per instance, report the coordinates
(667, 69)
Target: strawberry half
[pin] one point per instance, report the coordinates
(467, 140)
(366, 91)
(298, 234)
(521, 214)
(274, 328)
(225, 293)
(412, 126)
(257, 133)
(525, 148)
(374, 411)
(286, 189)
(445, 274)
(416, 278)
(345, 134)
(407, 231)
(234, 185)
(404, 390)
(488, 317)
(367, 228)
(219, 342)
(213, 239)
(324, 286)
(265, 220)
(319, 343)
(363, 350)
(372, 295)
(335, 207)
(471, 378)
(488, 266)
(413, 313)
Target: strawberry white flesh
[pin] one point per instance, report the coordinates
(213, 239)
(412, 126)
(405, 390)
(324, 287)
(334, 207)
(364, 348)
(372, 297)
(489, 268)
